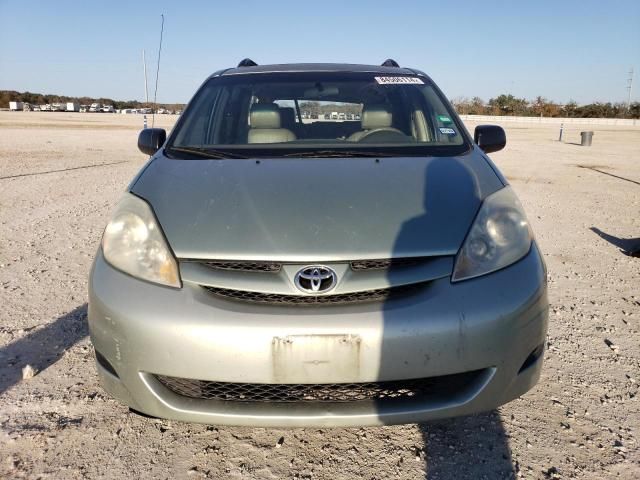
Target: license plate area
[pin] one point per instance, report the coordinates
(330, 358)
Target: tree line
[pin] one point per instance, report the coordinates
(7, 96)
(507, 104)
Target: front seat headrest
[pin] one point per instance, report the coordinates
(265, 115)
(376, 116)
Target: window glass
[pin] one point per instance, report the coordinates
(330, 110)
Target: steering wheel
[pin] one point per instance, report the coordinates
(381, 131)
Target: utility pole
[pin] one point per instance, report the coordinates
(144, 66)
(629, 87)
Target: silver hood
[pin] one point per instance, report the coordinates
(316, 209)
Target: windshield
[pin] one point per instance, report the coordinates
(317, 114)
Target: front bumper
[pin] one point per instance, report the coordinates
(492, 323)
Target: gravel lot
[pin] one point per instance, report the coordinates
(60, 174)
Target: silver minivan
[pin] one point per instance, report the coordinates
(274, 269)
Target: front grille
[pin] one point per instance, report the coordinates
(239, 266)
(377, 295)
(274, 267)
(320, 392)
(384, 263)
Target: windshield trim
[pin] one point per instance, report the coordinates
(263, 151)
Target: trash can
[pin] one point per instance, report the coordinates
(586, 138)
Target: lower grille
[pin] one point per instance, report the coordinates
(321, 392)
(378, 295)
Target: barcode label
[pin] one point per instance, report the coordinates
(399, 80)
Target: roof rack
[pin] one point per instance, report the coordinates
(247, 62)
(390, 62)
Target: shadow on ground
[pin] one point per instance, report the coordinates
(593, 169)
(42, 347)
(628, 246)
(471, 447)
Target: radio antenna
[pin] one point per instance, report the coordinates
(155, 92)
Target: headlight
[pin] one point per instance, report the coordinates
(134, 243)
(500, 235)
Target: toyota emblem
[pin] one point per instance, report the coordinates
(316, 279)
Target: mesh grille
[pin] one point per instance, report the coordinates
(243, 266)
(378, 295)
(384, 263)
(358, 265)
(321, 392)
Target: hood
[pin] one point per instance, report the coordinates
(316, 209)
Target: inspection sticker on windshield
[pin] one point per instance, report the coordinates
(447, 131)
(399, 80)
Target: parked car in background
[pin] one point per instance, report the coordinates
(95, 107)
(260, 271)
(108, 109)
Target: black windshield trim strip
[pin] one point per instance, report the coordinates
(206, 153)
(242, 153)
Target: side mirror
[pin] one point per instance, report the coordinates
(151, 139)
(490, 138)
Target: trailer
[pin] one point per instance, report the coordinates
(16, 106)
(73, 107)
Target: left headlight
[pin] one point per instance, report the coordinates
(134, 243)
(500, 235)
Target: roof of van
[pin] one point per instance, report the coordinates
(318, 67)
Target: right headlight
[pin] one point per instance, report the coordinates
(134, 243)
(500, 235)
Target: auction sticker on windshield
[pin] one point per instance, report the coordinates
(398, 80)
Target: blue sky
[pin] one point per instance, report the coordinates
(562, 50)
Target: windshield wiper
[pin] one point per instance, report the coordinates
(207, 153)
(338, 153)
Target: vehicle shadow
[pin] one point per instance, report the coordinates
(474, 446)
(42, 347)
(471, 447)
(628, 246)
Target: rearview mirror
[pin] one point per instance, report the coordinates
(490, 138)
(151, 139)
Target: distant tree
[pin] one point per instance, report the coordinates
(477, 106)
(507, 104)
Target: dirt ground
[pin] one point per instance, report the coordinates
(60, 175)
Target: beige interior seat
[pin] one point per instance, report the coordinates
(419, 129)
(373, 117)
(266, 125)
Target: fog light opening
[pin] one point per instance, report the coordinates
(104, 363)
(532, 358)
